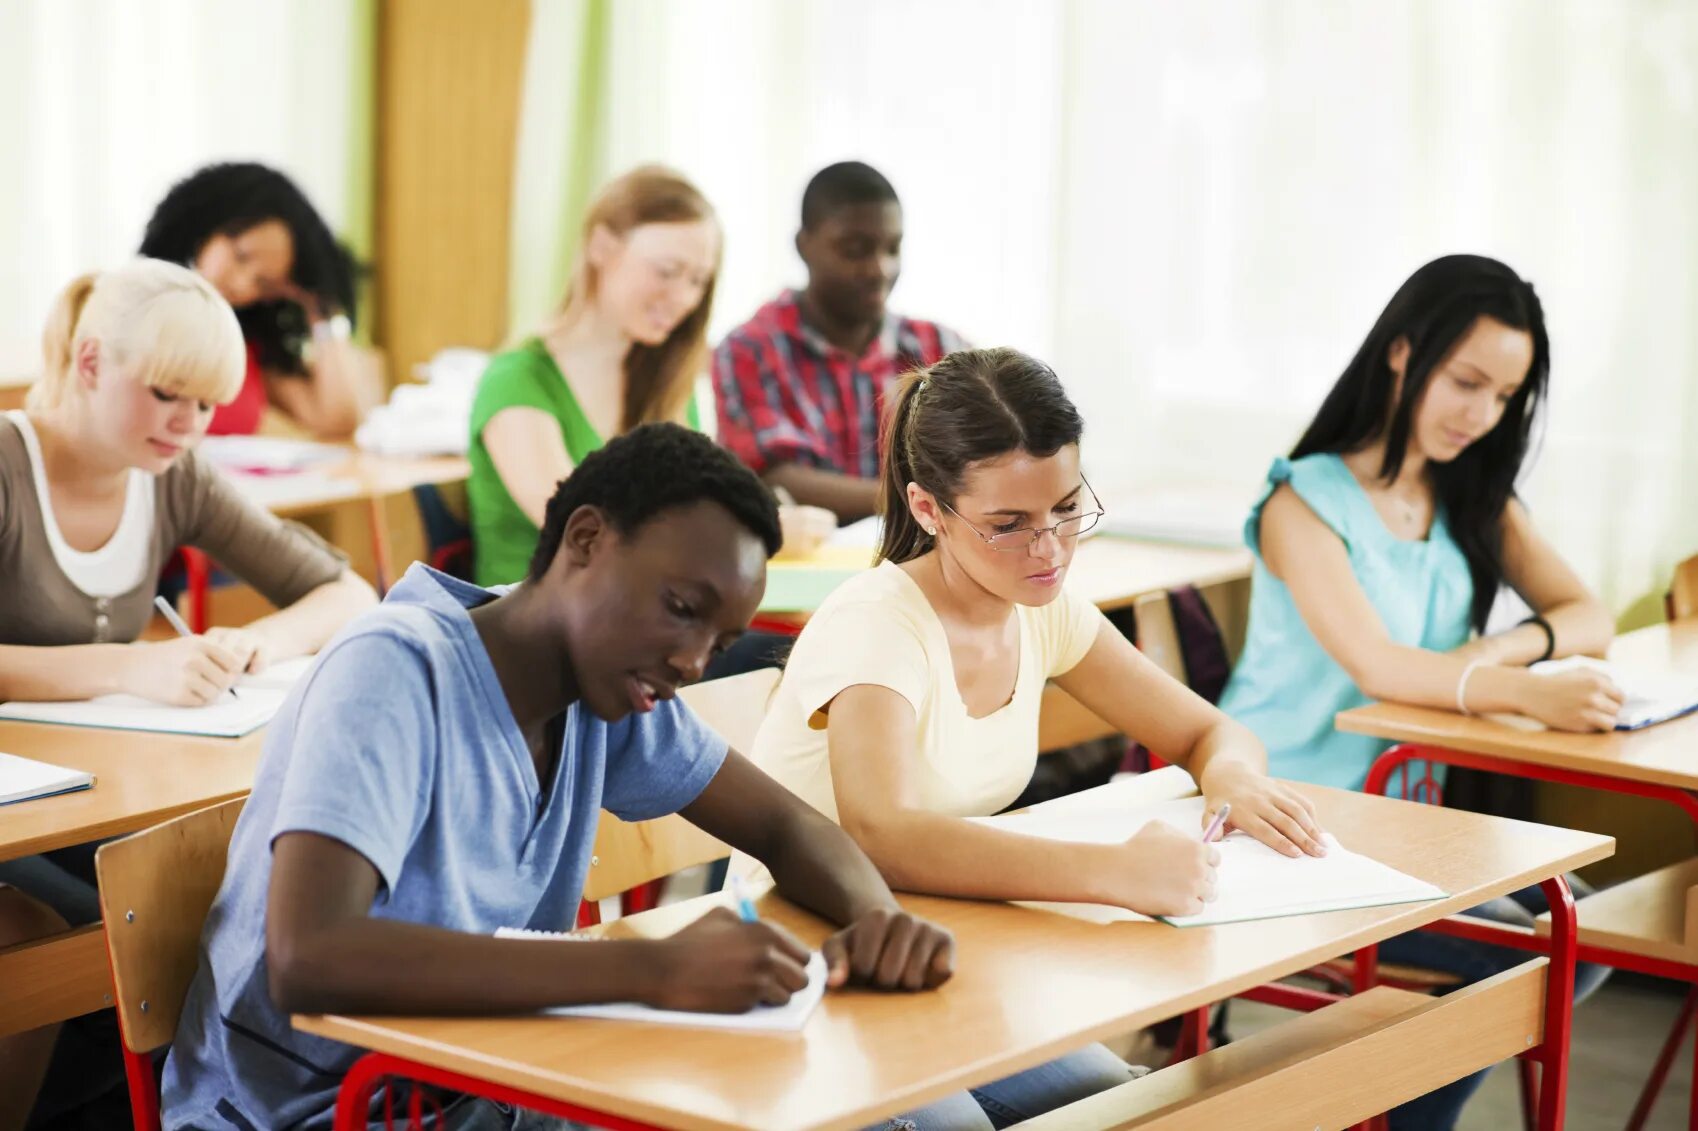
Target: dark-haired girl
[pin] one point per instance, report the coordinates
(255, 237)
(911, 699)
(1381, 544)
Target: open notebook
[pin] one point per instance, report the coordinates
(1253, 882)
(24, 779)
(786, 1018)
(229, 717)
(1651, 697)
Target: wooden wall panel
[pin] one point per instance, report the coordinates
(449, 78)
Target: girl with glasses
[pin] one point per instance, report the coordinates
(910, 702)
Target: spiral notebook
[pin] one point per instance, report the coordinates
(787, 1018)
(1253, 881)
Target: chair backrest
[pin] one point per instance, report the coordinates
(155, 890)
(1683, 591)
(628, 854)
(1158, 635)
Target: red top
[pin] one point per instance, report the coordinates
(786, 395)
(241, 416)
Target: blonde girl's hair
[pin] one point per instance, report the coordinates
(659, 380)
(164, 322)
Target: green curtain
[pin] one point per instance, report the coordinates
(561, 158)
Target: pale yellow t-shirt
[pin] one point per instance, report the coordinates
(878, 628)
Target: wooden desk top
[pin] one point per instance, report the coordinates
(140, 780)
(1114, 572)
(361, 476)
(1665, 754)
(1029, 986)
(1109, 572)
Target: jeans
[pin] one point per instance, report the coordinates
(86, 1064)
(1472, 961)
(1025, 1095)
(472, 1113)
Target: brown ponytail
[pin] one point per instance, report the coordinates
(58, 343)
(901, 538)
(970, 406)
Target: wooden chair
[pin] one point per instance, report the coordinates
(629, 855)
(156, 888)
(1682, 598)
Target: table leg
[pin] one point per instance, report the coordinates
(1559, 1005)
(379, 543)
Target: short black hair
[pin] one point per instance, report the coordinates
(847, 182)
(228, 199)
(651, 469)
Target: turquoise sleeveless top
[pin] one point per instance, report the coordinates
(1286, 688)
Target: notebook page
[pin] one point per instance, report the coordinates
(1253, 880)
(786, 1018)
(260, 698)
(23, 779)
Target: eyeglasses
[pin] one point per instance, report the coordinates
(1026, 537)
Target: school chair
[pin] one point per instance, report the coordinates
(629, 855)
(156, 888)
(1681, 601)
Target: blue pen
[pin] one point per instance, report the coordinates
(745, 905)
(1216, 825)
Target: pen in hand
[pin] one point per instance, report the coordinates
(176, 622)
(745, 905)
(1216, 825)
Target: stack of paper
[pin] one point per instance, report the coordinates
(787, 1018)
(230, 716)
(1253, 880)
(22, 779)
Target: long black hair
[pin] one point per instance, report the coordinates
(228, 199)
(1432, 311)
(969, 406)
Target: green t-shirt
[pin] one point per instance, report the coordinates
(503, 537)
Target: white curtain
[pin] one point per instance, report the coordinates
(105, 103)
(1195, 211)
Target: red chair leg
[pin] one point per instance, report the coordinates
(144, 1089)
(1665, 1060)
(197, 574)
(643, 897)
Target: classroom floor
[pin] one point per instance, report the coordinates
(1617, 1035)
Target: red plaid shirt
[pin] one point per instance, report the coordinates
(786, 395)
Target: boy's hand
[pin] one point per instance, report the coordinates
(889, 949)
(720, 964)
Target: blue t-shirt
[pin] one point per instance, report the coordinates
(1286, 688)
(400, 744)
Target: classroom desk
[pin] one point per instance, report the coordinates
(1029, 986)
(363, 477)
(1648, 925)
(141, 779)
(1109, 572)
